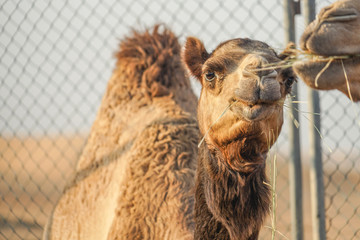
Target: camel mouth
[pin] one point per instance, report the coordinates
(251, 111)
(321, 61)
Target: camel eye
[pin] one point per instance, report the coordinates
(289, 81)
(210, 76)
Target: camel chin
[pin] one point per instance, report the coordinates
(338, 75)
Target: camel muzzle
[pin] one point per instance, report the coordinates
(255, 87)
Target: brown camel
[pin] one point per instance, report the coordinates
(336, 33)
(135, 177)
(240, 115)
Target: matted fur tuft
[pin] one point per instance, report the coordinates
(153, 55)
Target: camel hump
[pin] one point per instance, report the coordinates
(154, 53)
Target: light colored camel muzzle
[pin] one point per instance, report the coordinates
(255, 84)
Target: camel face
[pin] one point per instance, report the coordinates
(233, 82)
(335, 32)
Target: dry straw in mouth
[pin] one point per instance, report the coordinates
(322, 71)
(296, 55)
(347, 81)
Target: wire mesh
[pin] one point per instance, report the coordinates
(341, 167)
(56, 58)
(340, 125)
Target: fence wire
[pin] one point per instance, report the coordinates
(56, 58)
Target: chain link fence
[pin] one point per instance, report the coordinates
(56, 58)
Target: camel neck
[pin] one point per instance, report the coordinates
(230, 204)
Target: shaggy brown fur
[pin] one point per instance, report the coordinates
(232, 198)
(135, 177)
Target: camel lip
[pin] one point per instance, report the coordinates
(252, 111)
(323, 60)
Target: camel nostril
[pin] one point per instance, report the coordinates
(268, 78)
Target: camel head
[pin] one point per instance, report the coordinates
(239, 100)
(335, 32)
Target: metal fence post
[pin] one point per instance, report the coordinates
(291, 8)
(316, 168)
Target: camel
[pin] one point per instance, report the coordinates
(135, 177)
(240, 115)
(335, 33)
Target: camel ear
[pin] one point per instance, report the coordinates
(194, 56)
(289, 51)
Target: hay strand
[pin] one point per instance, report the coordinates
(347, 81)
(221, 115)
(322, 71)
(296, 55)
